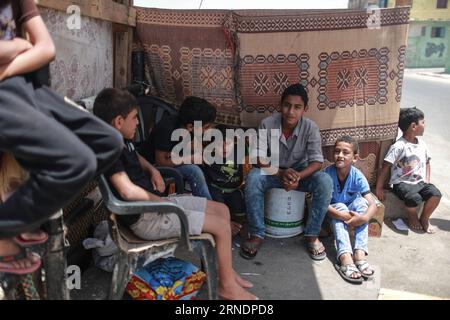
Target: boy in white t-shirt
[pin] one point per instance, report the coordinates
(409, 163)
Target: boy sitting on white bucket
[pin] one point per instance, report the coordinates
(300, 159)
(352, 206)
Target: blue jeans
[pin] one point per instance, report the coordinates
(319, 184)
(196, 180)
(340, 229)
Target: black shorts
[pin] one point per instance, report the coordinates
(234, 200)
(414, 194)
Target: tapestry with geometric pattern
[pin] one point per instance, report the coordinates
(352, 67)
(187, 53)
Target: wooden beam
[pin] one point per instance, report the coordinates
(122, 43)
(100, 9)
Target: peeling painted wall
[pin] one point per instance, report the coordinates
(84, 57)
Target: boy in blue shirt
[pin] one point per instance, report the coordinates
(352, 206)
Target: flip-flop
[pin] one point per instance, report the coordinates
(316, 247)
(249, 249)
(23, 254)
(31, 242)
(346, 272)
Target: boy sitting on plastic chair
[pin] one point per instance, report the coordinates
(134, 178)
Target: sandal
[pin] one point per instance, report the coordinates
(362, 266)
(250, 247)
(43, 237)
(346, 272)
(22, 255)
(314, 249)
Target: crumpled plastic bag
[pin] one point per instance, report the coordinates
(104, 249)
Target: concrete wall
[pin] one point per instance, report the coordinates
(447, 65)
(426, 51)
(426, 10)
(84, 58)
(363, 4)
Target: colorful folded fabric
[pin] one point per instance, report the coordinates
(166, 279)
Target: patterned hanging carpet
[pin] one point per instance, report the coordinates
(350, 61)
(186, 53)
(351, 65)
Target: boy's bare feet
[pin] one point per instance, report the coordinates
(9, 248)
(360, 255)
(427, 227)
(235, 292)
(235, 228)
(347, 259)
(242, 282)
(35, 235)
(31, 238)
(413, 221)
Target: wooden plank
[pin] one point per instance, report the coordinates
(125, 2)
(122, 38)
(100, 9)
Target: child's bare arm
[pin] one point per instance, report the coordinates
(340, 215)
(382, 176)
(360, 219)
(291, 177)
(428, 173)
(145, 164)
(42, 52)
(309, 170)
(164, 158)
(155, 176)
(372, 209)
(129, 191)
(9, 49)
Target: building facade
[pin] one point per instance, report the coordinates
(429, 30)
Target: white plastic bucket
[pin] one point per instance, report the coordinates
(284, 212)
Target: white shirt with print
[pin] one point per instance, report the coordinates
(409, 161)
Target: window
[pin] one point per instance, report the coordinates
(423, 31)
(441, 4)
(383, 3)
(415, 30)
(437, 32)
